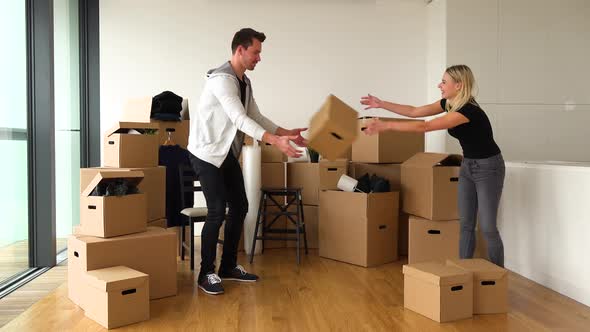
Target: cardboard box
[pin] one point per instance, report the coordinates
(432, 240)
(358, 228)
(311, 218)
(117, 296)
(490, 285)
(180, 134)
(162, 223)
(333, 129)
(152, 252)
(430, 183)
(313, 177)
(273, 175)
(124, 149)
(153, 186)
(439, 292)
(108, 216)
(404, 232)
(271, 154)
(388, 146)
(391, 172)
(140, 109)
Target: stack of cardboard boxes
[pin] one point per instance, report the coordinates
(362, 228)
(436, 283)
(117, 262)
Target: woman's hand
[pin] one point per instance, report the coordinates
(376, 126)
(371, 102)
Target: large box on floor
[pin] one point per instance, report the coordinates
(439, 292)
(108, 216)
(430, 183)
(311, 218)
(117, 296)
(131, 144)
(313, 177)
(432, 240)
(153, 186)
(490, 285)
(333, 129)
(386, 147)
(152, 252)
(391, 172)
(272, 175)
(358, 228)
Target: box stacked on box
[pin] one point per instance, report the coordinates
(116, 263)
(381, 155)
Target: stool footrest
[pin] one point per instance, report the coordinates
(283, 231)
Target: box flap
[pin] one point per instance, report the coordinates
(428, 160)
(137, 110)
(481, 268)
(115, 278)
(438, 273)
(131, 125)
(133, 177)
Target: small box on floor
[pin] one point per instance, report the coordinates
(490, 285)
(117, 296)
(432, 240)
(120, 212)
(152, 252)
(439, 292)
(430, 183)
(131, 144)
(388, 146)
(358, 228)
(333, 129)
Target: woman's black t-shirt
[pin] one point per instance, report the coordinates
(476, 136)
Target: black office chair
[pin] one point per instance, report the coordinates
(193, 214)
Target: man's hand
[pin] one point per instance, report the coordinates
(282, 143)
(296, 133)
(376, 126)
(299, 140)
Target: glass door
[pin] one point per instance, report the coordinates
(14, 222)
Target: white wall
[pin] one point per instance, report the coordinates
(530, 60)
(543, 220)
(313, 48)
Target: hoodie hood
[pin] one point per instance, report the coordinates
(225, 69)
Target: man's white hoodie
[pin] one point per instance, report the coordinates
(220, 116)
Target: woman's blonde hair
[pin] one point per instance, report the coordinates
(462, 74)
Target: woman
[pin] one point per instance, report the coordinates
(481, 177)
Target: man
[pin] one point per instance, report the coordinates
(226, 111)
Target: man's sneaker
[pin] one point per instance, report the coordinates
(211, 284)
(238, 274)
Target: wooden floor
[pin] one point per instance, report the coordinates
(14, 258)
(318, 295)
